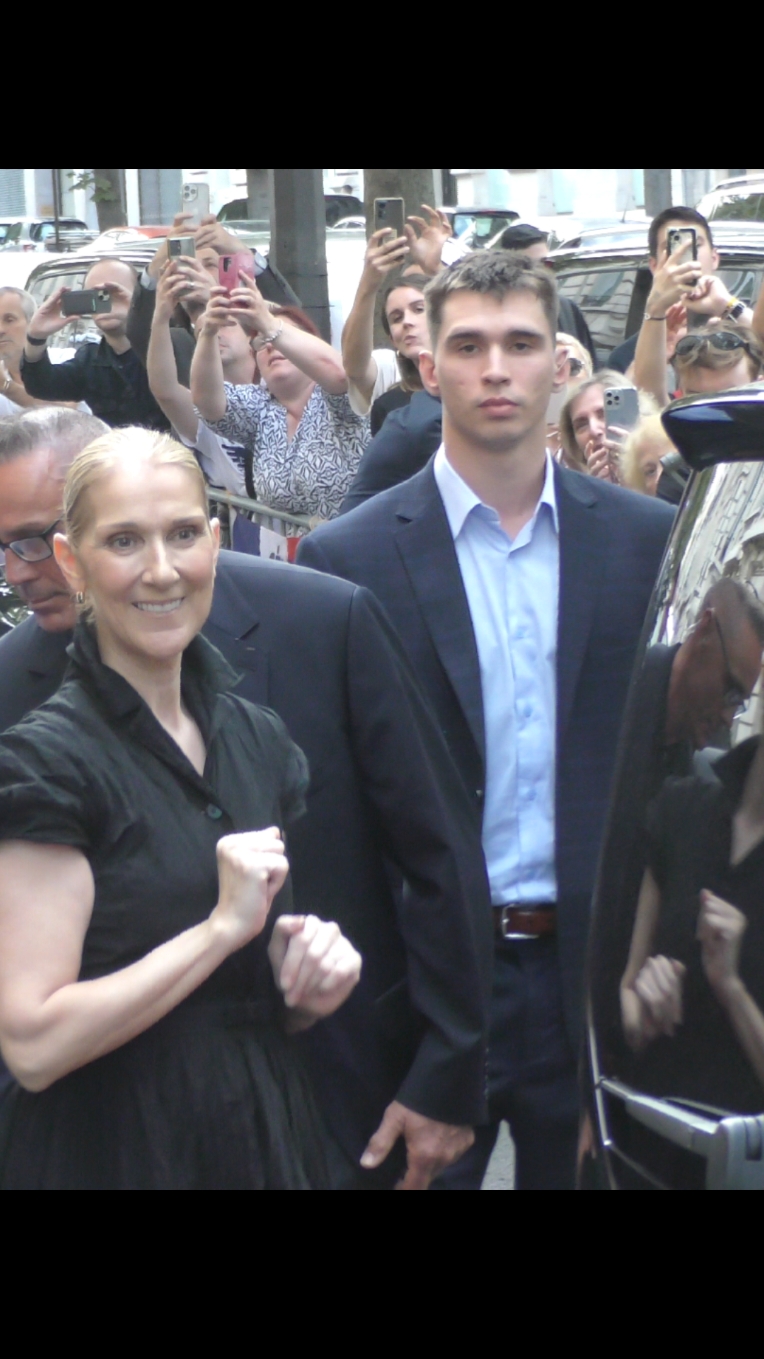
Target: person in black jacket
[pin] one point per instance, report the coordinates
(385, 805)
(403, 446)
(534, 244)
(108, 376)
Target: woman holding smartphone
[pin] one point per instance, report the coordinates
(149, 971)
(304, 439)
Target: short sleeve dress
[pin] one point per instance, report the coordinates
(213, 1095)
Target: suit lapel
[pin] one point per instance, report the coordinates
(582, 552)
(427, 549)
(234, 628)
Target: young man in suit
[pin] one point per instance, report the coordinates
(519, 590)
(405, 1061)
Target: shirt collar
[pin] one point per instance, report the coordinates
(459, 500)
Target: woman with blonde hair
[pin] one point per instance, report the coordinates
(590, 442)
(150, 970)
(641, 455)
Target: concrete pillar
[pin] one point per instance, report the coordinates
(298, 238)
(258, 195)
(657, 191)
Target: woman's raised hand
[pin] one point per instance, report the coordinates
(251, 309)
(314, 965)
(252, 868)
(217, 312)
(721, 927)
(653, 1005)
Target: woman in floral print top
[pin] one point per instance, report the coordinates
(304, 439)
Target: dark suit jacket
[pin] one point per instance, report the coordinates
(611, 541)
(384, 796)
(404, 445)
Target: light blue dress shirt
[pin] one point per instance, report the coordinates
(512, 589)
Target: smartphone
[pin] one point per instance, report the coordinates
(231, 267)
(85, 302)
(389, 212)
(679, 236)
(621, 406)
(180, 245)
(195, 198)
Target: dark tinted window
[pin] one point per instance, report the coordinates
(678, 934)
(604, 295)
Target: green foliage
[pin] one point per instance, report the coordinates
(103, 189)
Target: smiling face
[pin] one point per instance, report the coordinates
(405, 312)
(145, 560)
(494, 366)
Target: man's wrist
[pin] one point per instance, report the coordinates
(37, 341)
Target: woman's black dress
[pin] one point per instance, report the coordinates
(212, 1096)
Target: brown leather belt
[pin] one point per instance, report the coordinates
(524, 922)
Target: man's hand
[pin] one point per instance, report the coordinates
(673, 281)
(47, 320)
(430, 1146)
(427, 238)
(709, 297)
(180, 227)
(213, 234)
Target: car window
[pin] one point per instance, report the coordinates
(742, 282)
(740, 207)
(691, 746)
(604, 295)
(10, 231)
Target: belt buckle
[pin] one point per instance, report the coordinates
(507, 934)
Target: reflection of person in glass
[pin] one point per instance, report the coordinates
(692, 992)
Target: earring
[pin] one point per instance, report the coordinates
(79, 598)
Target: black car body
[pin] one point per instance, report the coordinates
(606, 273)
(682, 1105)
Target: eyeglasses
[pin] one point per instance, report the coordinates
(724, 341)
(734, 696)
(36, 549)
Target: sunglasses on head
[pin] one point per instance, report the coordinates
(576, 367)
(724, 341)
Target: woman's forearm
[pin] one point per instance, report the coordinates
(643, 934)
(358, 341)
(747, 1020)
(82, 1021)
(161, 368)
(650, 361)
(207, 381)
(314, 357)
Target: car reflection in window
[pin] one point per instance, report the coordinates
(699, 925)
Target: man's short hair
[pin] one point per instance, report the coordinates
(677, 214)
(735, 603)
(66, 431)
(708, 356)
(28, 304)
(492, 273)
(521, 234)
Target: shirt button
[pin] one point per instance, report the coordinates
(213, 812)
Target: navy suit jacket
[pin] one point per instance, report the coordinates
(385, 804)
(403, 446)
(611, 542)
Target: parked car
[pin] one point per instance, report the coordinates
(70, 271)
(39, 233)
(677, 1094)
(476, 227)
(738, 200)
(606, 272)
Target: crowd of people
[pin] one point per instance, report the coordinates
(296, 865)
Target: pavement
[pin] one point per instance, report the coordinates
(501, 1167)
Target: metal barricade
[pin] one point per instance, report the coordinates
(261, 530)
